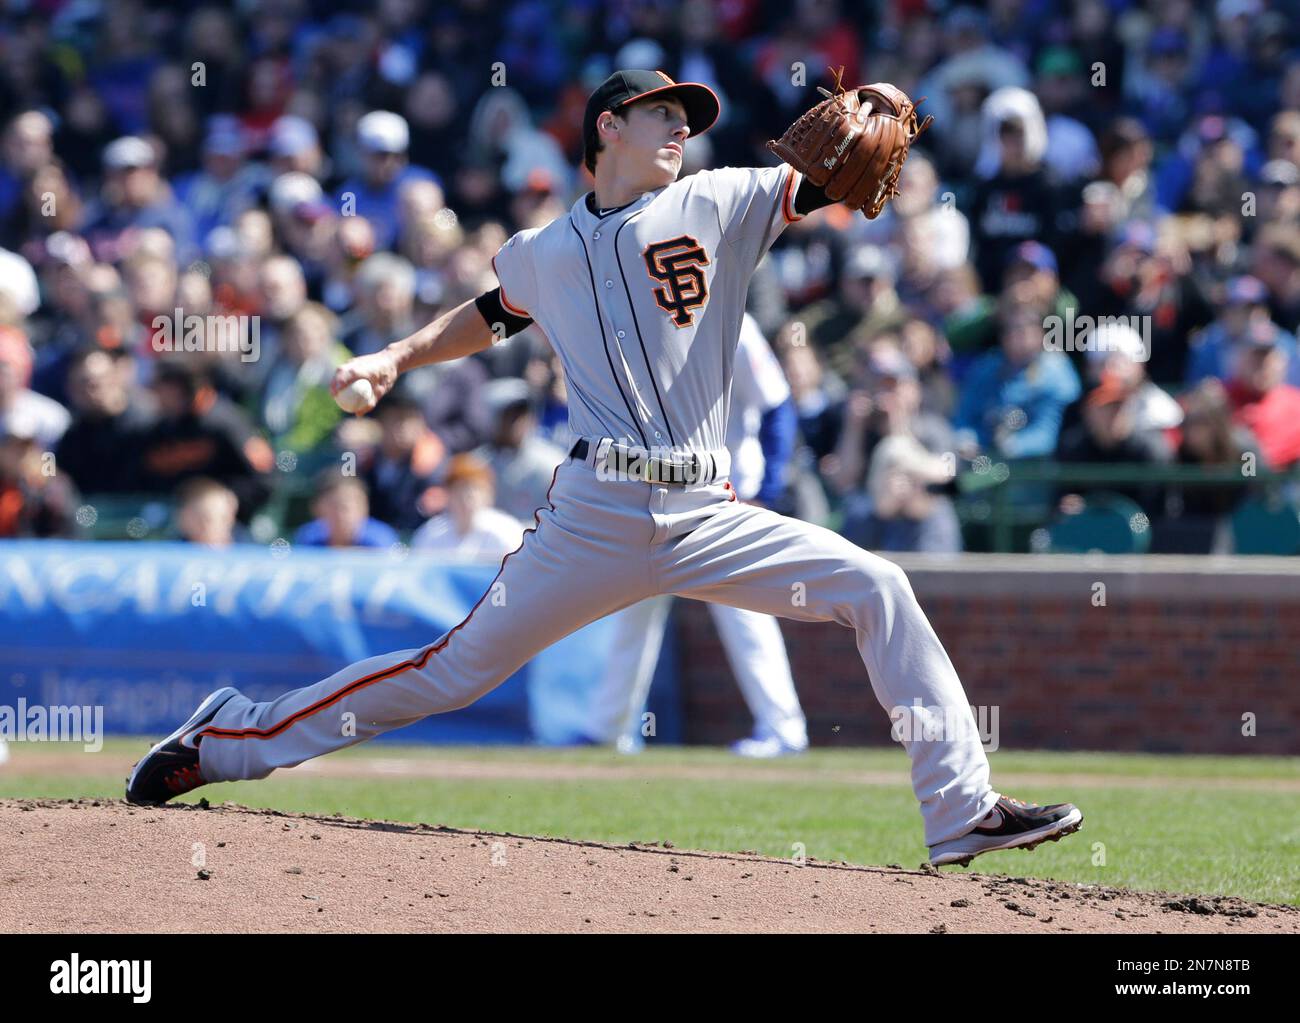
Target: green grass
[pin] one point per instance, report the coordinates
(1169, 834)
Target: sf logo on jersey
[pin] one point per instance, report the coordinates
(676, 263)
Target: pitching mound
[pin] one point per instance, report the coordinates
(93, 865)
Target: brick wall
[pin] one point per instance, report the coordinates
(1181, 650)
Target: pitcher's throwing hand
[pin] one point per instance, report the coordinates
(360, 383)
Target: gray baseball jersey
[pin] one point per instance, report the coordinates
(644, 305)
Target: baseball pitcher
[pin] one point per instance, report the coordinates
(641, 289)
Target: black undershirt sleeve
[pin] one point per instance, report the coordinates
(493, 312)
(809, 197)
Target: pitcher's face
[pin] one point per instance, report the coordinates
(653, 135)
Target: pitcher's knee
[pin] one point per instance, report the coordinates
(457, 690)
(465, 695)
(885, 586)
(885, 576)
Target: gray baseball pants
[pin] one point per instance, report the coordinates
(599, 546)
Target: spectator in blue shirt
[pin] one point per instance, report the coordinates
(383, 138)
(1162, 89)
(1245, 305)
(227, 185)
(294, 145)
(342, 510)
(127, 55)
(28, 146)
(134, 197)
(1013, 398)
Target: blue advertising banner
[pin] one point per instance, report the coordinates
(147, 630)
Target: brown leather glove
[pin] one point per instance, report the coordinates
(853, 143)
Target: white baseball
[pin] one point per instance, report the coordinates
(356, 397)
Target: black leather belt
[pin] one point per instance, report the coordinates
(637, 463)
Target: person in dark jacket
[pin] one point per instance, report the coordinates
(199, 433)
(100, 449)
(404, 472)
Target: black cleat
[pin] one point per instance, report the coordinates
(1011, 824)
(172, 767)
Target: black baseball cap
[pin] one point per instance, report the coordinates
(701, 104)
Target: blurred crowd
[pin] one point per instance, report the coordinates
(340, 173)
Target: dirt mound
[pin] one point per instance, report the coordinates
(98, 865)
